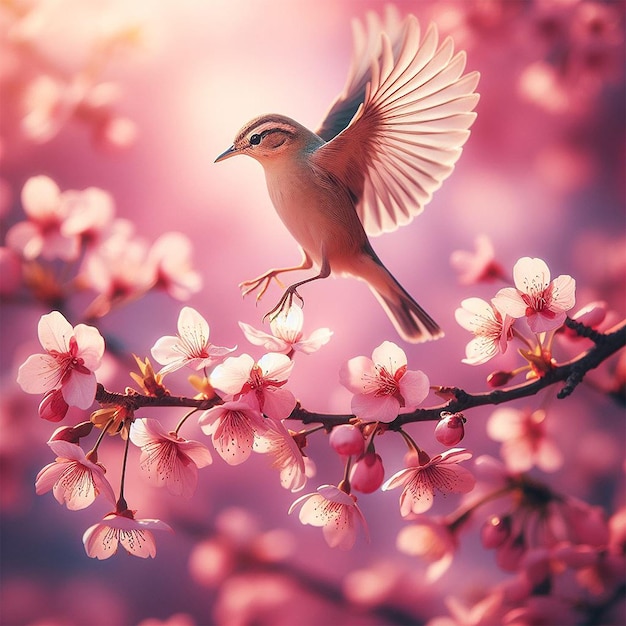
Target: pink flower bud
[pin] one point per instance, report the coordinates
(53, 407)
(367, 473)
(450, 430)
(72, 433)
(497, 379)
(347, 440)
(495, 531)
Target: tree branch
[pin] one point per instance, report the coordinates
(570, 373)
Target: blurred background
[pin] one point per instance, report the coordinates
(164, 87)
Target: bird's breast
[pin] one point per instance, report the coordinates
(317, 211)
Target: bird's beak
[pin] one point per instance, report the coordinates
(232, 151)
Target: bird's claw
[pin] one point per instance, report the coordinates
(261, 282)
(286, 299)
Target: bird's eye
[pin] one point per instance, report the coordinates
(255, 140)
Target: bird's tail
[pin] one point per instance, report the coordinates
(409, 318)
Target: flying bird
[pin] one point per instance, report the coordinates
(386, 144)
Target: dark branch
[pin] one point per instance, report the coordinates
(570, 373)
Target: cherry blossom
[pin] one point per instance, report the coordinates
(170, 255)
(491, 327)
(432, 540)
(258, 383)
(383, 385)
(75, 480)
(277, 441)
(191, 347)
(478, 266)
(287, 335)
(420, 481)
(542, 302)
(117, 268)
(167, 459)
(42, 234)
(233, 426)
(72, 356)
(525, 441)
(90, 212)
(102, 540)
(335, 511)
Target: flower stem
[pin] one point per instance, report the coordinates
(92, 455)
(183, 420)
(121, 501)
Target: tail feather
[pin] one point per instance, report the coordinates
(409, 318)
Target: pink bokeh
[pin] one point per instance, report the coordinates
(138, 99)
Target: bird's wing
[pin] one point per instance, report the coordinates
(407, 134)
(366, 46)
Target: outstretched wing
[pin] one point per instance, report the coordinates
(366, 46)
(407, 134)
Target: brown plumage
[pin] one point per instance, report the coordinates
(385, 146)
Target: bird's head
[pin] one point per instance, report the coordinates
(270, 138)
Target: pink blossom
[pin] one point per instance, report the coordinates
(72, 355)
(347, 440)
(383, 385)
(430, 540)
(420, 482)
(167, 459)
(74, 479)
(542, 302)
(233, 426)
(90, 212)
(170, 255)
(191, 347)
(478, 266)
(450, 429)
(42, 234)
(525, 441)
(258, 383)
(491, 327)
(102, 540)
(117, 268)
(277, 441)
(335, 511)
(287, 335)
(367, 473)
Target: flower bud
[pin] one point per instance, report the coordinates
(497, 379)
(495, 531)
(53, 407)
(347, 440)
(367, 473)
(450, 429)
(72, 434)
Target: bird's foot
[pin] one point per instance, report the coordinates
(285, 302)
(261, 283)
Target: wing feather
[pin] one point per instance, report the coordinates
(412, 109)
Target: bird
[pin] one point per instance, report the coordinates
(386, 144)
